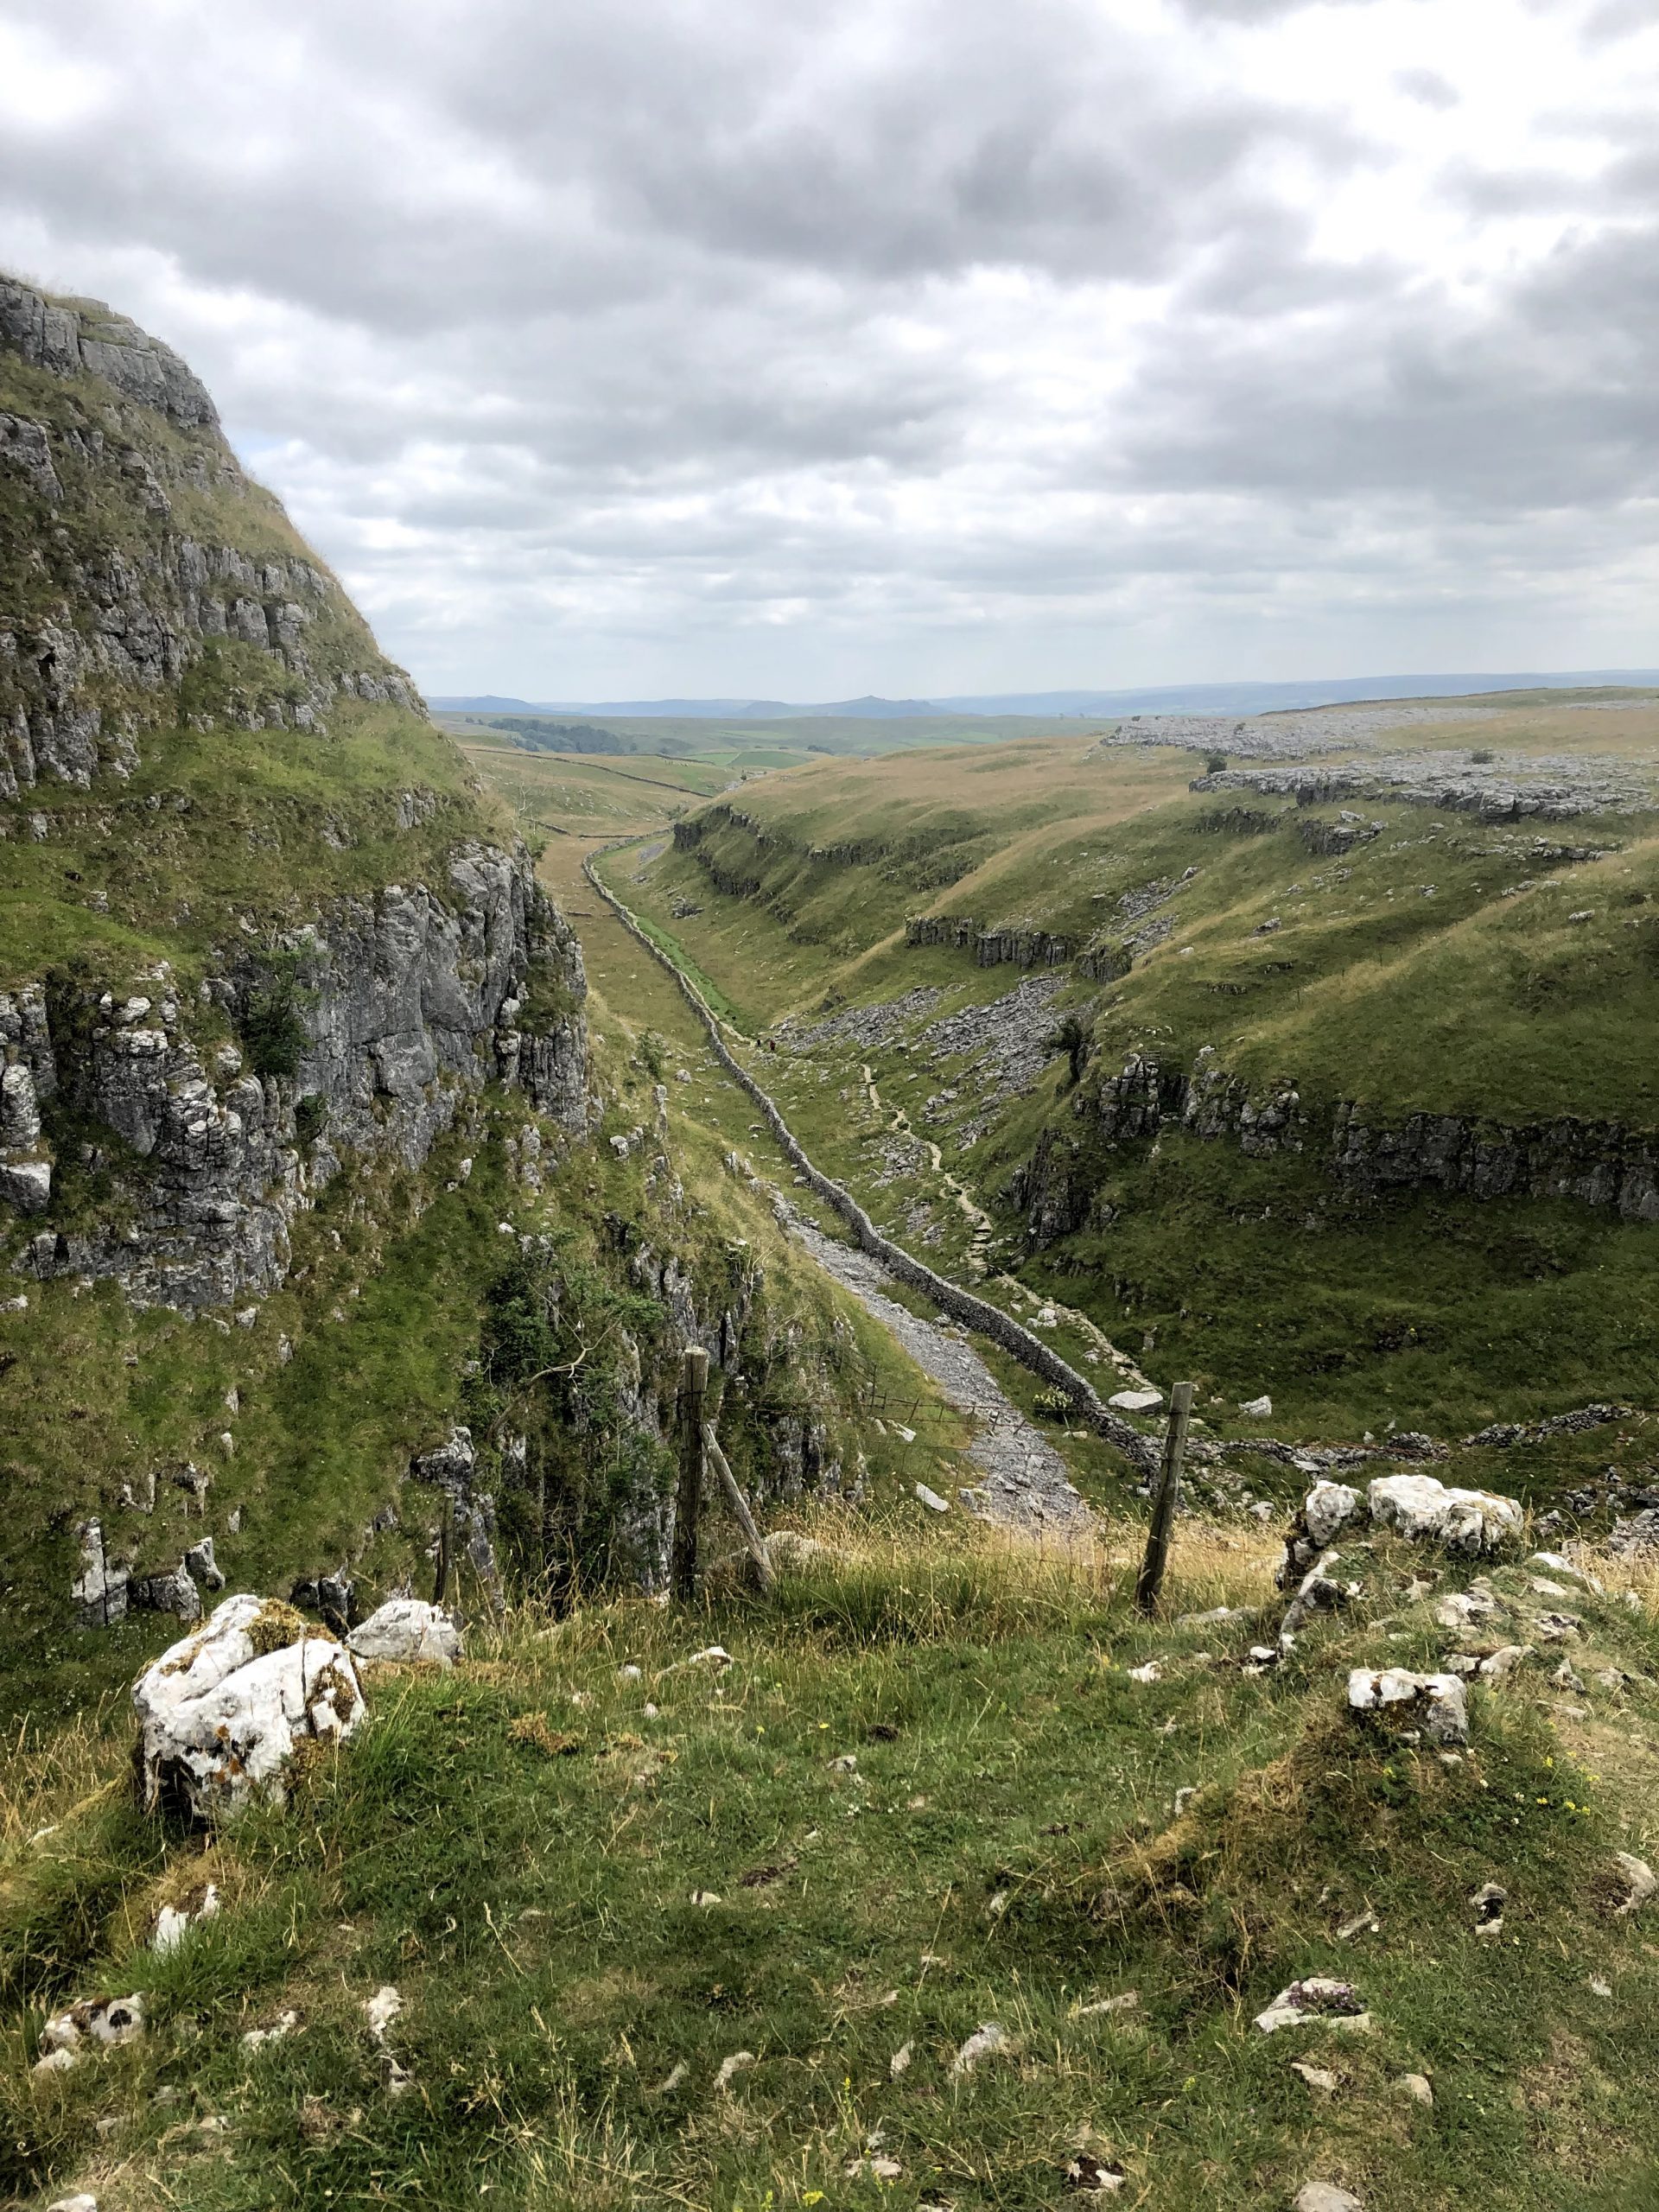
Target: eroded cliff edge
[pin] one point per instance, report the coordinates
(259, 926)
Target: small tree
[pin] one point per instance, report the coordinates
(1214, 763)
(1074, 1038)
(272, 1023)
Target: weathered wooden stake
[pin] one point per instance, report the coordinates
(683, 1568)
(740, 1506)
(446, 1526)
(1165, 1499)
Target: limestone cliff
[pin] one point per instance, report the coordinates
(140, 571)
(254, 923)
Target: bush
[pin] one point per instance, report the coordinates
(1214, 763)
(273, 1030)
(310, 1117)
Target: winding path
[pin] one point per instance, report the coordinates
(1043, 1504)
(1024, 1482)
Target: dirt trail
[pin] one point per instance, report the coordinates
(1023, 1481)
(979, 1263)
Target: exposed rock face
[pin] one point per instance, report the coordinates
(1469, 1523)
(1598, 1163)
(1518, 788)
(991, 946)
(1437, 1705)
(99, 628)
(453, 1467)
(408, 1001)
(77, 337)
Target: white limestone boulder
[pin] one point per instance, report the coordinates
(1438, 1705)
(222, 1712)
(1326, 1511)
(408, 1632)
(1469, 1523)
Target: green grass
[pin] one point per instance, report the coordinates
(1004, 1851)
(1247, 1274)
(215, 825)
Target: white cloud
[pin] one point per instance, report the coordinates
(807, 347)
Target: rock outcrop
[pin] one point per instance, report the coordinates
(108, 630)
(147, 585)
(1599, 1164)
(406, 1002)
(222, 1713)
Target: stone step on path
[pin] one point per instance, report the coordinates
(1023, 1483)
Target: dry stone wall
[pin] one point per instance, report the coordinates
(975, 1314)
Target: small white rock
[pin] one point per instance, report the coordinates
(1128, 2000)
(1319, 2079)
(406, 1631)
(173, 1922)
(989, 2040)
(738, 2063)
(932, 1499)
(1641, 1879)
(1258, 1409)
(1326, 2197)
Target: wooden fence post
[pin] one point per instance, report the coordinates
(1165, 1499)
(683, 1569)
(740, 1512)
(446, 1526)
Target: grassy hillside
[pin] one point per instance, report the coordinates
(790, 738)
(711, 1936)
(1440, 964)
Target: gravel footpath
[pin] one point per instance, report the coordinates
(1023, 1483)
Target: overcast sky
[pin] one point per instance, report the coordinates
(806, 348)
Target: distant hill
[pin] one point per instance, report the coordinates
(1242, 698)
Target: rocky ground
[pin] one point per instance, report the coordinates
(1023, 1483)
(1553, 786)
(1285, 737)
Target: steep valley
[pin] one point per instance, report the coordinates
(382, 1121)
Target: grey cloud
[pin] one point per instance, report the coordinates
(758, 329)
(1428, 86)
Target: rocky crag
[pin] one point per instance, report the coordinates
(322, 1245)
(1597, 1164)
(141, 572)
(151, 595)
